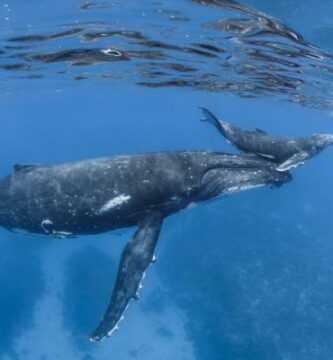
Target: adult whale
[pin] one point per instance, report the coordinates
(286, 152)
(98, 195)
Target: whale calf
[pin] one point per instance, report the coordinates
(98, 195)
(286, 152)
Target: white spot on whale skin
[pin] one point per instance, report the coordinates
(174, 198)
(45, 223)
(116, 201)
(242, 188)
(266, 156)
(61, 234)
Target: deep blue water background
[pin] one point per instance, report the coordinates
(247, 277)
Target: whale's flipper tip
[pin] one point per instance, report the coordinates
(136, 257)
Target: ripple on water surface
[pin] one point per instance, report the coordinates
(213, 45)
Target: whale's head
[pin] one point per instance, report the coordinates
(320, 142)
(308, 148)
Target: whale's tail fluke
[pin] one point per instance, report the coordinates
(212, 119)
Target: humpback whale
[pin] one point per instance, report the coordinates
(98, 195)
(286, 152)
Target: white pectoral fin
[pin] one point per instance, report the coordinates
(294, 161)
(136, 257)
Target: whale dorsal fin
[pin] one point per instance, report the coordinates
(20, 167)
(294, 161)
(261, 131)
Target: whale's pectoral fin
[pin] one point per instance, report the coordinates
(294, 161)
(136, 257)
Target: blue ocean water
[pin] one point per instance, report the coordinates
(248, 277)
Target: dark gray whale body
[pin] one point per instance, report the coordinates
(286, 152)
(98, 195)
